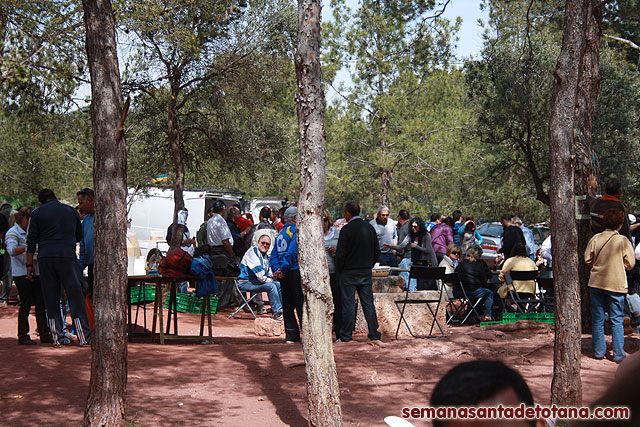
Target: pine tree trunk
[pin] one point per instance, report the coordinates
(107, 390)
(323, 391)
(178, 166)
(588, 89)
(566, 386)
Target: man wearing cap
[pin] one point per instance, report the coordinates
(284, 262)
(218, 233)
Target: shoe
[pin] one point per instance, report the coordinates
(27, 341)
(3, 302)
(342, 340)
(46, 340)
(292, 342)
(262, 310)
(277, 317)
(63, 341)
(487, 318)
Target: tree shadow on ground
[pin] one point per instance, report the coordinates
(267, 378)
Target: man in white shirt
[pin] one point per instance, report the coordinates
(545, 252)
(218, 233)
(386, 233)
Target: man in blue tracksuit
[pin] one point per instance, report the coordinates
(284, 262)
(86, 204)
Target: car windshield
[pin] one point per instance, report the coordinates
(491, 230)
(540, 233)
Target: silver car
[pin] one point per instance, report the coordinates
(491, 233)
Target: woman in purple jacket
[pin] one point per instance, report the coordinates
(441, 237)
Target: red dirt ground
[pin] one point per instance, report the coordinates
(244, 380)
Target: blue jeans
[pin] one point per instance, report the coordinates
(353, 281)
(613, 303)
(271, 288)
(413, 284)
(388, 259)
(488, 302)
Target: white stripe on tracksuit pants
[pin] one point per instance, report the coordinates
(65, 272)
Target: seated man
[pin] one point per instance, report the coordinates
(482, 383)
(256, 275)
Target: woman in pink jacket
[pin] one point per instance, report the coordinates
(441, 237)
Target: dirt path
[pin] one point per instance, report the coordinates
(243, 380)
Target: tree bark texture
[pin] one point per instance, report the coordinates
(566, 386)
(588, 89)
(107, 390)
(323, 392)
(178, 166)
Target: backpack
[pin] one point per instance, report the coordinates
(177, 263)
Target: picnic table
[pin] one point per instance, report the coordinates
(158, 280)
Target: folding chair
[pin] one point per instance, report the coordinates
(465, 302)
(245, 301)
(522, 304)
(425, 273)
(545, 284)
(452, 302)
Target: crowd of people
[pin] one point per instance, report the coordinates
(267, 254)
(40, 246)
(266, 257)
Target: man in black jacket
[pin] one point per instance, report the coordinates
(356, 253)
(512, 235)
(56, 229)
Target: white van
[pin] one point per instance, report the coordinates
(257, 203)
(149, 213)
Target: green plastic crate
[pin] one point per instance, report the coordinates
(538, 317)
(190, 303)
(137, 294)
(514, 317)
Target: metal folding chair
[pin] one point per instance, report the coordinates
(545, 285)
(523, 304)
(425, 273)
(465, 303)
(245, 301)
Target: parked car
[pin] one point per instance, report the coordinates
(491, 233)
(540, 232)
